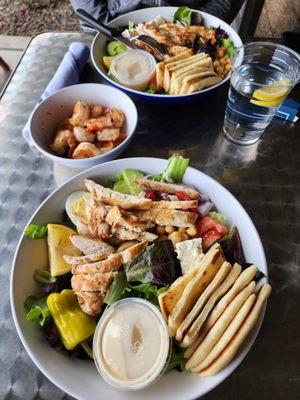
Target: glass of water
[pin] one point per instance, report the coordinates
(262, 76)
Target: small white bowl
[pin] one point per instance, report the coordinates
(52, 111)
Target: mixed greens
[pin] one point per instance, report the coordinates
(146, 276)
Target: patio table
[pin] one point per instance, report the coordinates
(264, 177)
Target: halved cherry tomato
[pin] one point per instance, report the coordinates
(182, 196)
(150, 195)
(207, 224)
(209, 238)
(210, 231)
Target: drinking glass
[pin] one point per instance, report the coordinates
(262, 76)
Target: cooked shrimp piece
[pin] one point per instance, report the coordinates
(64, 142)
(95, 124)
(117, 117)
(96, 110)
(86, 150)
(81, 113)
(108, 134)
(105, 146)
(82, 135)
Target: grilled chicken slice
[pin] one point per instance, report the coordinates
(82, 228)
(164, 217)
(90, 302)
(126, 234)
(112, 263)
(86, 259)
(167, 187)
(91, 282)
(88, 245)
(175, 205)
(96, 214)
(113, 198)
(118, 218)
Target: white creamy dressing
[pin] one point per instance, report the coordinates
(133, 68)
(132, 345)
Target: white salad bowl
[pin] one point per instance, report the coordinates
(98, 50)
(79, 378)
(57, 107)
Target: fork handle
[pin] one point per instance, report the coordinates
(92, 22)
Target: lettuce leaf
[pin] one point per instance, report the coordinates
(35, 231)
(125, 183)
(183, 14)
(174, 170)
(157, 264)
(117, 288)
(37, 310)
(176, 360)
(229, 44)
(221, 219)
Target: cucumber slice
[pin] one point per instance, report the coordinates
(114, 48)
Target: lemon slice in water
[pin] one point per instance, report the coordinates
(271, 96)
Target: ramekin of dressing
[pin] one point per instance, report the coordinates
(133, 69)
(131, 344)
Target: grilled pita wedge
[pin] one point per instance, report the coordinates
(168, 299)
(197, 324)
(179, 65)
(178, 78)
(199, 81)
(243, 280)
(160, 67)
(170, 188)
(206, 295)
(219, 327)
(228, 334)
(232, 348)
(113, 198)
(208, 267)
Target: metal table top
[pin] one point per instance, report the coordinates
(264, 177)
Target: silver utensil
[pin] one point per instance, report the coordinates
(107, 31)
(158, 48)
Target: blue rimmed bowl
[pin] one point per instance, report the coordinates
(98, 50)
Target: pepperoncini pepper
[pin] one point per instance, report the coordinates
(72, 324)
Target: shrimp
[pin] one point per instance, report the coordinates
(86, 150)
(117, 117)
(105, 146)
(96, 110)
(81, 113)
(108, 134)
(82, 135)
(95, 124)
(64, 141)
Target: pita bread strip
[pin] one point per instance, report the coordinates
(176, 84)
(228, 334)
(230, 351)
(177, 65)
(245, 277)
(204, 83)
(215, 283)
(219, 327)
(160, 67)
(196, 326)
(208, 267)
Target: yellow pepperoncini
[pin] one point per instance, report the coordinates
(72, 324)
